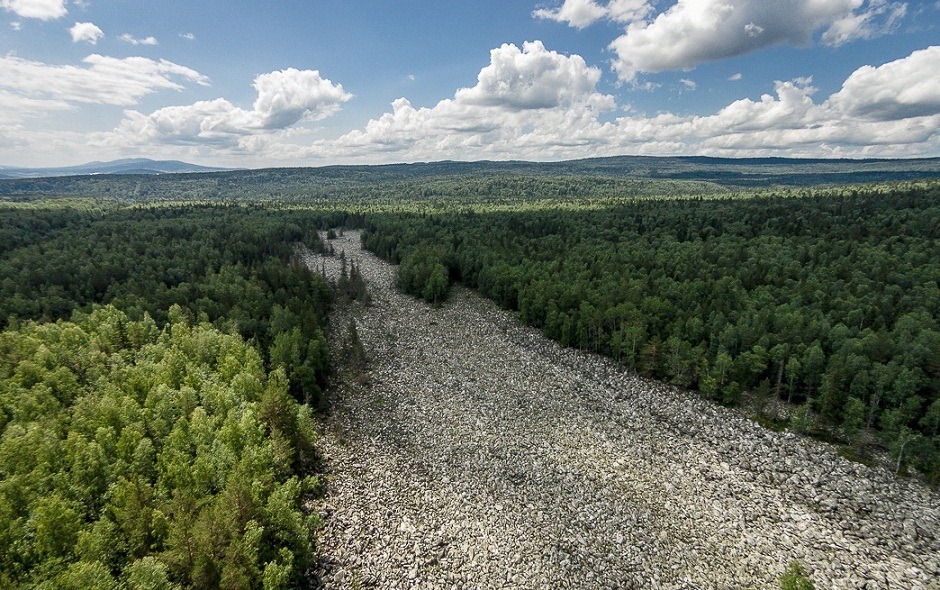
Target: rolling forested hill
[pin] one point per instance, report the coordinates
(598, 177)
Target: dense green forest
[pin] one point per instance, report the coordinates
(140, 458)
(343, 191)
(159, 363)
(165, 440)
(480, 182)
(829, 302)
(231, 266)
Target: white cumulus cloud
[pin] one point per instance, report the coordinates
(41, 9)
(691, 32)
(87, 32)
(880, 18)
(881, 110)
(15, 108)
(905, 88)
(528, 103)
(128, 38)
(102, 79)
(886, 110)
(285, 98)
(577, 13)
(532, 78)
(527, 96)
(582, 13)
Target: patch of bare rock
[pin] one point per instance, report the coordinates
(479, 454)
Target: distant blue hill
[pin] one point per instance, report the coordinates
(124, 166)
(146, 178)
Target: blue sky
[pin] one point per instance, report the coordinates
(310, 83)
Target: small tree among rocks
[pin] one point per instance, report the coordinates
(353, 351)
(795, 578)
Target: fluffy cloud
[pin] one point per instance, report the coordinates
(128, 38)
(899, 89)
(518, 90)
(103, 80)
(792, 107)
(528, 102)
(890, 110)
(577, 13)
(88, 32)
(533, 78)
(692, 32)
(582, 13)
(885, 110)
(879, 110)
(626, 11)
(880, 18)
(41, 9)
(285, 98)
(14, 108)
(452, 129)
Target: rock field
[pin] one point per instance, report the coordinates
(479, 454)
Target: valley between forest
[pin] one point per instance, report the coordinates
(473, 375)
(473, 452)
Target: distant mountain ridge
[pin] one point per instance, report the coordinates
(730, 173)
(123, 166)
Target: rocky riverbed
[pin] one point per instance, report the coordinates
(479, 454)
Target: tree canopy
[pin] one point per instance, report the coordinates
(138, 457)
